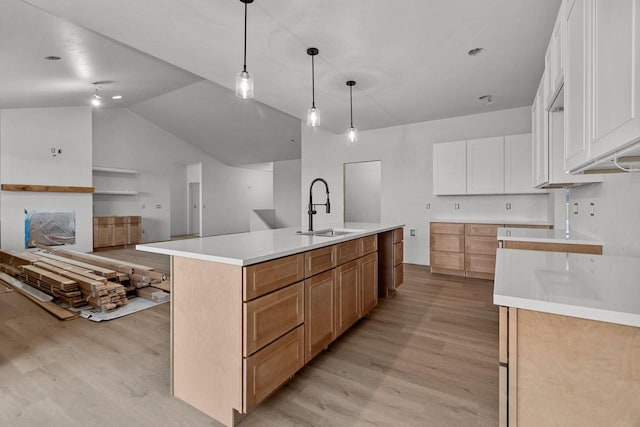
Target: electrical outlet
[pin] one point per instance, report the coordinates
(593, 209)
(456, 206)
(412, 232)
(144, 206)
(428, 205)
(575, 209)
(508, 206)
(143, 231)
(158, 206)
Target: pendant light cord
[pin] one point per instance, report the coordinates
(351, 103)
(313, 83)
(244, 66)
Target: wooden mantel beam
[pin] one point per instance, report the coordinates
(46, 188)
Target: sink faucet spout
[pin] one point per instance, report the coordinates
(312, 206)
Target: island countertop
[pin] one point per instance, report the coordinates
(594, 287)
(546, 236)
(258, 246)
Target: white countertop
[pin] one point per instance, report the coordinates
(493, 221)
(594, 287)
(258, 246)
(546, 236)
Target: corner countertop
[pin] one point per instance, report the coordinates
(258, 246)
(546, 236)
(494, 221)
(595, 287)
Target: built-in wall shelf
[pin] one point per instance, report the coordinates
(115, 192)
(105, 169)
(46, 188)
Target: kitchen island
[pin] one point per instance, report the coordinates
(250, 309)
(569, 338)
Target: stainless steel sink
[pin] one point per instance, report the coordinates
(330, 232)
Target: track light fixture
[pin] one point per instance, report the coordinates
(313, 114)
(244, 81)
(352, 133)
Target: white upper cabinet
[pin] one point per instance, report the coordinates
(615, 75)
(540, 149)
(517, 172)
(575, 144)
(485, 166)
(602, 81)
(554, 60)
(450, 168)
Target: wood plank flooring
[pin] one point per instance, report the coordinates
(426, 357)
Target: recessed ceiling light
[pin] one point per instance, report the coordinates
(53, 58)
(116, 97)
(488, 98)
(476, 51)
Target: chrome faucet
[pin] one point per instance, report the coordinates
(312, 211)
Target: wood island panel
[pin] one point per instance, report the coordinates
(553, 247)
(268, 276)
(270, 317)
(206, 305)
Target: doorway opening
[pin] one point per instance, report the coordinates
(362, 191)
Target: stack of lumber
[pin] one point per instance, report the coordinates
(77, 279)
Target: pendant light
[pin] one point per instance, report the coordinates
(95, 101)
(244, 81)
(313, 114)
(352, 132)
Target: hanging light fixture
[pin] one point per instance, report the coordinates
(352, 133)
(95, 101)
(244, 81)
(313, 114)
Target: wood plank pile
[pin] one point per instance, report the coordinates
(77, 279)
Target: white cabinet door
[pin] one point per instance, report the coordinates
(540, 149)
(554, 60)
(575, 86)
(485, 166)
(517, 164)
(616, 75)
(449, 168)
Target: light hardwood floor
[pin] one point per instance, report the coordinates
(426, 357)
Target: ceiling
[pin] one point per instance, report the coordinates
(27, 35)
(409, 58)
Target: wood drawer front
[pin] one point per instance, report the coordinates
(481, 229)
(448, 260)
(319, 260)
(368, 244)
(103, 220)
(447, 242)
(398, 235)
(269, 276)
(480, 263)
(270, 367)
(271, 316)
(447, 228)
(398, 275)
(398, 253)
(347, 251)
(482, 245)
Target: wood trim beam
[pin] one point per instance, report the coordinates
(46, 188)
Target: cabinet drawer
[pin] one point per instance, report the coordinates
(319, 260)
(347, 251)
(447, 242)
(368, 244)
(447, 228)
(267, 369)
(481, 229)
(448, 260)
(398, 235)
(269, 317)
(265, 277)
(103, 220)
(398, 275)
(480, 263)
(398, 253)
(482, 245)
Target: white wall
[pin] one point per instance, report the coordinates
(26, 139)
(123, 139)
(286, 192)
(617, 212)
(406, 155)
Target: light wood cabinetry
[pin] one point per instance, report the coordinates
(348, 294)
(112, 231)
(265, 277)
(465, 249)
(348, 251)
(319, 260)
(369, 282)
(450, 168)
(320, 313)
(391, 257)
(485, 166)
(553, 247)
(591, 365)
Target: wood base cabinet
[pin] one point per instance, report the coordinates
(320, 314)
(391, 251)
(567, 371)
(112, 231)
